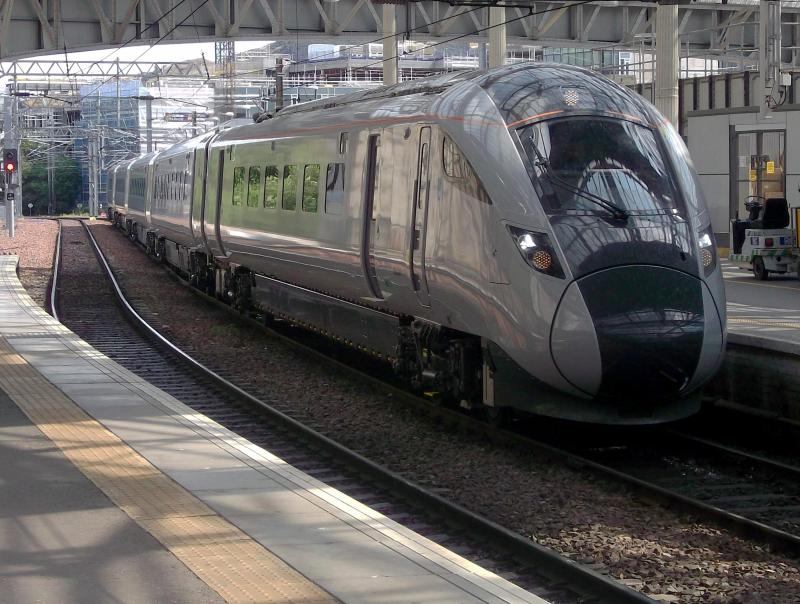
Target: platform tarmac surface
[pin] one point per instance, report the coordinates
(765, 309)
(188, 503)
(63, 540)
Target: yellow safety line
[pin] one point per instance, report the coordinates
(238, 568)
(754, 281)
(764, 322)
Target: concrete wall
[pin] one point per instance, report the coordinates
(760, 379)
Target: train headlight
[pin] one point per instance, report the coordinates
(708, 250)
(536, 250)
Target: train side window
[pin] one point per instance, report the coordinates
(238, 186)
(271, 184)
(289, 200)
(453, 160)
(334, 189)
(310, 188)
(253, 187)
(460, 172)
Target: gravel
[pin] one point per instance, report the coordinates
(669, 557)
(34, 242)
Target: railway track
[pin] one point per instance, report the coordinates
(749, 494)
(753, 495)
(89, 300)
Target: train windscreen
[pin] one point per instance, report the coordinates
(592, 163)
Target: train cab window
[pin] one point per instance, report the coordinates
(271, 185)
(460, 173)
(453, 160)
(289, 200)
(310, 188)
(253, 187)
(238, 186)
(334, 189)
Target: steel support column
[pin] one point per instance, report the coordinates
(390, 44)
(497, 36)
(667, 61)
(769, 55)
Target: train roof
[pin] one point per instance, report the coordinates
(522, 93)
(143, 160)
(186, 146)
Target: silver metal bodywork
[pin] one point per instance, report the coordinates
(411, 241)
(174, 184)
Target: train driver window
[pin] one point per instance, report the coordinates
(460, 173)
(253, 187)
(334, 189)
(238, 186)
(271, 185)
(289, 200)
(310, 188)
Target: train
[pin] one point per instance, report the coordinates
(530, 238)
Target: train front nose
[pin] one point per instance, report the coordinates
(636, 333)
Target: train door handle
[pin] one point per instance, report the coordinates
(415, 243)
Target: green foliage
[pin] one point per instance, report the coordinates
(66, 181)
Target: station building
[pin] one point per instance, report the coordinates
(738, 152)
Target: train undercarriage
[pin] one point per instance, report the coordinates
(441, 362)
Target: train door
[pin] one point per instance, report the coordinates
(213, 206)
(370, 218)
(199, 196)
(419, 219)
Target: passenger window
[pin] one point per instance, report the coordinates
(334, 189)
(238, 186)
(253, 187)
(310, 188)
(271, 187)
(289, 200)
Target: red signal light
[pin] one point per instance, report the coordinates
(10, 167)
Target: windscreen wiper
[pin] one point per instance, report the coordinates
(618, 212)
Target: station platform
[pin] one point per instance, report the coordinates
(112, 490)
(765, 314)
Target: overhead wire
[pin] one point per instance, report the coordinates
(340, 50)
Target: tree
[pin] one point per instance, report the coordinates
(66, 180)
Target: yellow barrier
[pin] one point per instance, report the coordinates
(797, 226)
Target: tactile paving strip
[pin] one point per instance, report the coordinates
(225, 558)
(765, 322)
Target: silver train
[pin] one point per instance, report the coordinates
(532, 236)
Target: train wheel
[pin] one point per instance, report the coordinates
(759, 270)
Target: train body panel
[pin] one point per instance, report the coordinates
(531, 236)
(140, 196)
(174, 186)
